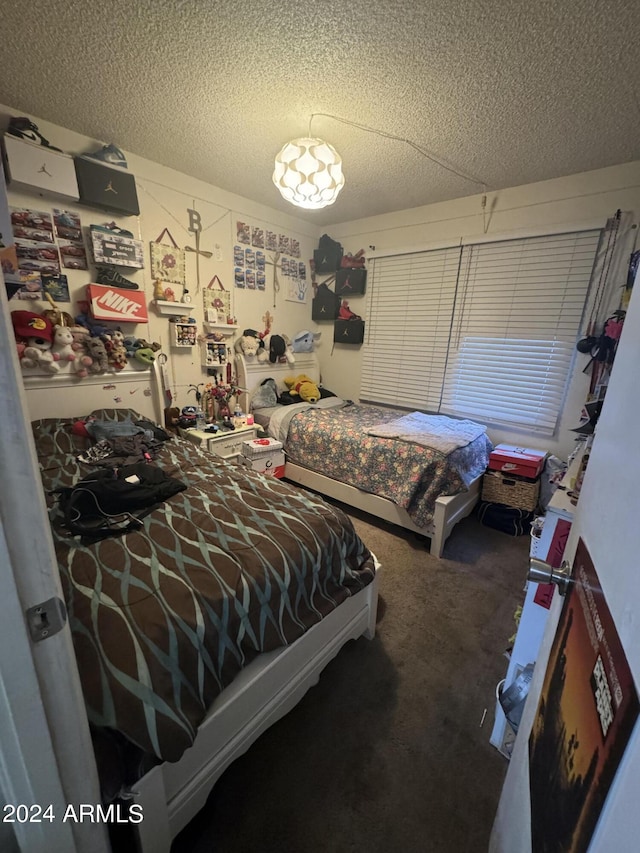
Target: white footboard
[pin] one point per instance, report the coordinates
(448, 510)
(172, 794)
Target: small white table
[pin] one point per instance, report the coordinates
(224, 443)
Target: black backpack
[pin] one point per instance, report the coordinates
(112, 501)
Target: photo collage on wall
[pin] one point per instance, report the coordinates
(250, 260)
(45, 244)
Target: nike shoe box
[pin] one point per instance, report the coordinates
(521, 461)
(259, 446)
(269, 464)
(106, 187)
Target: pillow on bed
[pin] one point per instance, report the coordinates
(115, 415)
(53, 438)
(266, 395)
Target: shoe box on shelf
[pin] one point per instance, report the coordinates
(118, 305)
(513, 478)
(106, 186)
(351, 282)
(115, 247)
(36, 168)
(264, 455)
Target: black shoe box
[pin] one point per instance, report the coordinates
(106, 187)
(348, 331)
(351, 282)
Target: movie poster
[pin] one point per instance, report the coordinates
(587, 710)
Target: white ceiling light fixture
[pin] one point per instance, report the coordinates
(308, 173)
(308, 170)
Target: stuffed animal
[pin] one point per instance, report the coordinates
(62, 346)
(154, 346)
(96, 329)
(304, 387)
(80, 336)
(130, 346)
(99, 358)
(145, 355)
(36, 333)
(250, 344)
(279, 350)
(118, 358)
(304, 341)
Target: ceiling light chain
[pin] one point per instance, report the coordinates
(413, 145)
(308, 171)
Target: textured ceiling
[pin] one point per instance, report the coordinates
(502, 91)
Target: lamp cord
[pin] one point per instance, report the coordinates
(413, 145)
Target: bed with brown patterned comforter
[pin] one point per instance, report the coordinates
(165, 617)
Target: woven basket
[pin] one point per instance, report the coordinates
(512, 491)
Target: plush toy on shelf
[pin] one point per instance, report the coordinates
(250, 344)
(62, 346)
(99, 358)
(277, 350)
(303, 387)
(34, 336)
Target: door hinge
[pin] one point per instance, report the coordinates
(46, 619)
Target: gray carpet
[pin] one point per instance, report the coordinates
(387, 752)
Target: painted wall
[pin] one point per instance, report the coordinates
(587, 197)
(165, 197)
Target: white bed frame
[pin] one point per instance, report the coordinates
(268, 688)
(171, 794)
(448, 511)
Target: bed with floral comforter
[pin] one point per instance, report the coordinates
(334, 441)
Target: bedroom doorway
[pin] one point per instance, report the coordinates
(46, 756)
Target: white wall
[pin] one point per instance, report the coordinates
(579, 198)
(164, 196)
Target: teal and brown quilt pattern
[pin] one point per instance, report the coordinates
(164, 618)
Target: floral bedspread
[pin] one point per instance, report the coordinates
(334, 442)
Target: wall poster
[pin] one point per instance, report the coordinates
(587, 711)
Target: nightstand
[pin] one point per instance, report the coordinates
(224, 443)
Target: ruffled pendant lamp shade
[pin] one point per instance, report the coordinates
(308, 173)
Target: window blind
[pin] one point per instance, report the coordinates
(515, 323)
(409, 313)
(484, 330)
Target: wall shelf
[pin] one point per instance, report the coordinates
(172, 309)
(221, 327)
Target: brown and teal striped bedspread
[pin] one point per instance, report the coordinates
(165, 617)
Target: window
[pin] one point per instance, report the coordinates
(497, 343)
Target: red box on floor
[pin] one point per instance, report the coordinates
(517, 460)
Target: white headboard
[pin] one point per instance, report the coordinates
(251, 373)
(63, 396)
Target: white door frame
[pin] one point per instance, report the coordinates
(46, 754)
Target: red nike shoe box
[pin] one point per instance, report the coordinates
(117, 304)
(522, 461)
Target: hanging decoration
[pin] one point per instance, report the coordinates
(217, 302)
(167, 260)
(195, 227)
